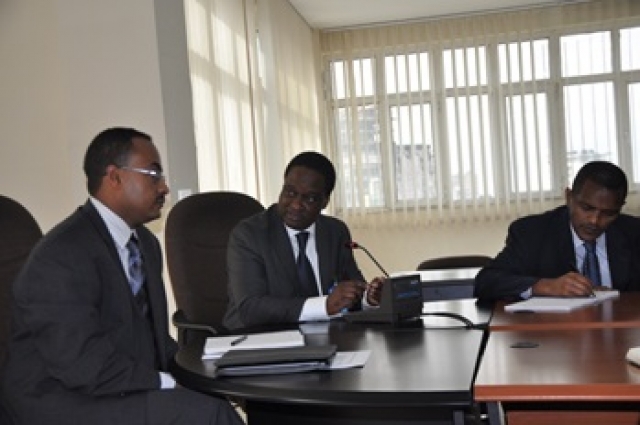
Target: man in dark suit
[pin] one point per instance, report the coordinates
(265, 284)
(84, 348)
(543, 253)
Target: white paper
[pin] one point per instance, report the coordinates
(216, 346)
(349, 359)
(560, 304)
(633, 356)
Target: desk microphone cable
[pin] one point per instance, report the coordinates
(468, 324)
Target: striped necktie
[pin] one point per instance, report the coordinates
(136, 273)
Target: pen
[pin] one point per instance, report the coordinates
(331, 288)
(573, 268)
(238, 340)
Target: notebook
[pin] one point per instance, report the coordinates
(559, 304)
(270, 361)
(216, 346)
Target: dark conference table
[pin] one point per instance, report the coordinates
(415, 374)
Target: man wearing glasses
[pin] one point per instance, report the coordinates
(90, 341)
(290, 263)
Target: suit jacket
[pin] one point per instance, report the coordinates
(541, 246)
(263, 282)
(77, 349)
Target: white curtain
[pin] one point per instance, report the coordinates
(481, 117)
(254, 92)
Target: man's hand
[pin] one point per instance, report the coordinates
(571, 284)
(344, 295)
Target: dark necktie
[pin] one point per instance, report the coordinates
(136, 273)
(305, 271)
(590, 266)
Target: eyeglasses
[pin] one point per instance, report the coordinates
(156, 175)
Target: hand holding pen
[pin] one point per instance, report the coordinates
(574, 269)
(344, 295)
(571, 284)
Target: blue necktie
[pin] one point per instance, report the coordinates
(136, 273)
(590, 266)
(305, 271)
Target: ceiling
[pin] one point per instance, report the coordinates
(331, 14)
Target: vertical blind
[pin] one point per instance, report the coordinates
(482, 117)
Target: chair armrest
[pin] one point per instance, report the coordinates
(183, 325)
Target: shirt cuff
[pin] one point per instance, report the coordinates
(166, 381)
(315, 309)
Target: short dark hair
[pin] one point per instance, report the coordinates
(317, 162)
(110, 147)
(604, 174)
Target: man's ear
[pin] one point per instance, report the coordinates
(567, 195)
(112, 176)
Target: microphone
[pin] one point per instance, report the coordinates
(355, 245)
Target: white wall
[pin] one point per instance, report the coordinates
(404, 249)
(71, 68)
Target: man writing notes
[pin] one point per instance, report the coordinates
(289, 263)
(573, 249)
(90, 341)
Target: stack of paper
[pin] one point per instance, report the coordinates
(560, 304)
(216, 346)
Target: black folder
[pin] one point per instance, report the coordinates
(275, 360)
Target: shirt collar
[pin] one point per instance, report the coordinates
(293, 232)
(601, 241)
(117, 227)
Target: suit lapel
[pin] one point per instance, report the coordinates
(281, 247)
(101, 228)
(94, 217)
(323, 248)
(567, 253)
(618, 256)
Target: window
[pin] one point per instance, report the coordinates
(490, 122)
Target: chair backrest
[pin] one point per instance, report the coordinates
(19, 232)
(454, 262)
(446, 283)
(196, 236)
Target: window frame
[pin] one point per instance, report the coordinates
(436, 96)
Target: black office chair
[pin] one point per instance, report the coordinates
(19, 232)
(451, 287)
(454, 262)
(196, 236)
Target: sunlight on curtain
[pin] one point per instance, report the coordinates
(288, 71)
(254, 92)
(221, 95)
(482, 117)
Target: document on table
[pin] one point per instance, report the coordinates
(559, 304)
(216, 346)
(349, 359)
